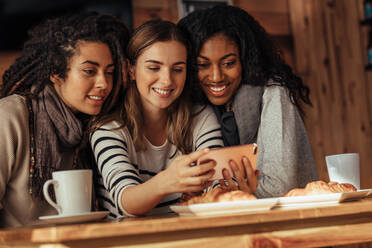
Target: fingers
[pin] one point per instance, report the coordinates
(202, 179)
(251, 175)
(228, 178)
(244, 174)
(239, 176)
(185, 164)
(202, 168)
(192, 157)
(241, 169)
(222, 183)
(199, 183)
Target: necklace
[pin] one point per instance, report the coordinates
(229, 106)
(32, 143)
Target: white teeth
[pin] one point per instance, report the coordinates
(161, 92)
(217, 89)
(96, 97)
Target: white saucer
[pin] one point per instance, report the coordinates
(74, 218)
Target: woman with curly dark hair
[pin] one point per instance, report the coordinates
(68, 75)
(255, 95)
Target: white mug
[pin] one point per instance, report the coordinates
(344, 168)
(73, 191)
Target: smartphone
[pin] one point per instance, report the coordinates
(222, 156)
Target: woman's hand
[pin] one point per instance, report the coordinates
(244, 174)
(181, 177)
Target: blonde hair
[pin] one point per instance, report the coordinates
(179, 120)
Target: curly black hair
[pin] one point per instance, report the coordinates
(51, 45)
(260, 60)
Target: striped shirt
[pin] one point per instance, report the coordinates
(121, 166)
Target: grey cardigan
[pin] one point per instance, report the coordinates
(266, 116)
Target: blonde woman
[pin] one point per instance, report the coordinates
(144, 154)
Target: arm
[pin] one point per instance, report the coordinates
(121, 178)
(7, 148)
(208, 134)
(284, 150)
(110, 148)
(14, 139)
(180, 177)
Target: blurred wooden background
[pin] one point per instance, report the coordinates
(325, 44)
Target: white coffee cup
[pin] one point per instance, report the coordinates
(73, 191)
(344, 168)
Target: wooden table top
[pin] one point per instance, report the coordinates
(273, 220)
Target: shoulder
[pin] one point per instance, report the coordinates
(276, 102)
(14, 129)
(206, 129)
(13, 109)
(111, 125)
(275, 91)
(112, 130)
(13, 104)
(202, 115)
(204, 119)
(202, 111)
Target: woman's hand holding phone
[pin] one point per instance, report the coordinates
(244, 174)
(181, 177)
(238, 162)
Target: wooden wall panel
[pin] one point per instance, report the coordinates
(274, 17)
(330, 58)
(272, 14)
(6, 59)
(144, 10)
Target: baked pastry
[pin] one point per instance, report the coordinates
(235, 195)
(219, 194)
(321, 187)
(341, 187)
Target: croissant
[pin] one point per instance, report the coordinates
(219, 194)
(321, 187)
(235, 195)
(342, 187)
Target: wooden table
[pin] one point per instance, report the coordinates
(346, 223)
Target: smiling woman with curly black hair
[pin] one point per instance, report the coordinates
(255, 95)
(68, 75)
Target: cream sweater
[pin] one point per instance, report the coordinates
(16, 205)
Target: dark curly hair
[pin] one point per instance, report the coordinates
(51, 45)
(260, 60)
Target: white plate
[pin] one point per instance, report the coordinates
(219, 208)
(321, 200)
(74, 218)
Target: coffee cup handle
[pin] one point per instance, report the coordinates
(47, 197)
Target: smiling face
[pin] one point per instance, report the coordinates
(160, 74)
(219, 69)
(89, 78)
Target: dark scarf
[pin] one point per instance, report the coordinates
(240, 125)
(57, 133)
(229, 130)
